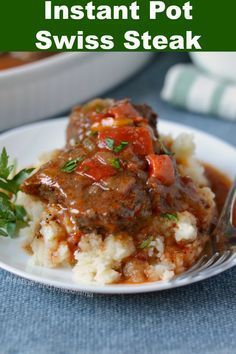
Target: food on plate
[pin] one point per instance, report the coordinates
(12, 59)
(120, 203)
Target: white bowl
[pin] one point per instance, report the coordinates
(220, 64)
(52, 85)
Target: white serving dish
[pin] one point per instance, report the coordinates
(219, 64)
(29, 142)
(53, 85)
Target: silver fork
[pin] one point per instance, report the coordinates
(222, 243)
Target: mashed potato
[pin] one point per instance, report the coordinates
(184, 149)
(186, 227)
(99, 261)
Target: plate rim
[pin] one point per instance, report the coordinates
(118, 289)
(115, 289)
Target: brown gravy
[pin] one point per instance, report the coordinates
(220, 185)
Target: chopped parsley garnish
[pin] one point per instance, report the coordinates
(146, 243)
(71, 165)
(111, 145)
(169, 216)
(115, 163)
(120, 147)
(13, 217)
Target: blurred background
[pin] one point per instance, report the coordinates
(197, 89)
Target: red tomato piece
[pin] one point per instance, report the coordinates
(95, 169)
(162, 168)
(139, 137)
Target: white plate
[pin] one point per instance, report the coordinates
(28, 142)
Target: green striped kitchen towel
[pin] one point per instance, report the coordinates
(188, 87)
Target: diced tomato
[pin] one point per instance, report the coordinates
(124, 109)
(162, 168)
(139, 137)
(96, 169)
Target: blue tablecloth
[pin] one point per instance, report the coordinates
(200, 318)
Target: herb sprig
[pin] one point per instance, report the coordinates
(13, 217)
(111, 145)
(120, 147)
(170, 216)
(146, 243)
(11, 185)
(115, 162)
(71, 165)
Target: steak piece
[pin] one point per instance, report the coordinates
(102, 178)
(83, 117)
(79, 126)
(147, 112)
(112, 204)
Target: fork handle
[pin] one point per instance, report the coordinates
(225, 231)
